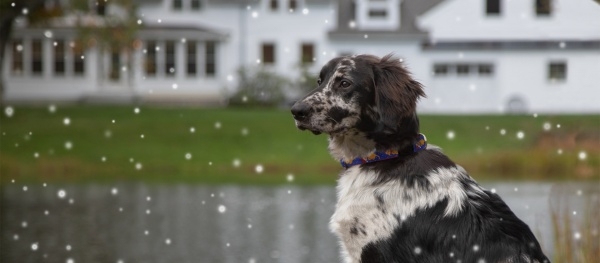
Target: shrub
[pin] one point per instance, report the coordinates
(259, 87)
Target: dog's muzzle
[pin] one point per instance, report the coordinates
(301, 111)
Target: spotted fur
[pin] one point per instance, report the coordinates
(419, 207)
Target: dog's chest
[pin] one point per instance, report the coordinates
(362, 215)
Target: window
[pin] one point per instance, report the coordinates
(210, 55)
(481, 70)
(36, 57)
(115, 64)
(78, 61)
(196, 4)
(170, 58)
(462, 69)
(308, 53)
(177, 4)
(59, 57)
(17, 57)
(292, 5)
(150, 64)
(378, 13)
(100, 7)
(485, 69)
(543, 7)
(557, 71)
(440, 69)
(274, 5)
(268, 53)
(191, 58)
(492, 7)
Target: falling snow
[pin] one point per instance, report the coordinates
(582, 155)
(547, 126)
(450, 135)
(221, 209)
(417, 250)
(258, 168)
(9, 111)
(520, 135)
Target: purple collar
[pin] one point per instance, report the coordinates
(420, 144)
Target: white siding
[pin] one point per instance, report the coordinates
(466, 20)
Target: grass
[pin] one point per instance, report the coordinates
(576, 238)
(201, 145)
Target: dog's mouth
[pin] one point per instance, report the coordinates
(303, 127)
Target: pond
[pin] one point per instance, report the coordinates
(198, 223)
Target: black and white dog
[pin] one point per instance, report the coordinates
(399, 201)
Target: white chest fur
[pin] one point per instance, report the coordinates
(368, 212)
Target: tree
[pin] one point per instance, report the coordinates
(9, 11)
(94, 26)
(108, 32)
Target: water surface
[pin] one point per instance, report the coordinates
(196, 223)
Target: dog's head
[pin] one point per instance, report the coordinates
(362, 93)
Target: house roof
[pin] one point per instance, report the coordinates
(410, 10)
(513, 45)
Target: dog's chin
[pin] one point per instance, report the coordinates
(304, 127)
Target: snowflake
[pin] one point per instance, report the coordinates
(582, 155)
(450, 135)
(9, 111)
(259, 168)
(417, 250)
(61, 193)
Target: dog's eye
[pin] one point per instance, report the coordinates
(319, 81)
(345, 84)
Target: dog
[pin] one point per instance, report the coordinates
(399, 200)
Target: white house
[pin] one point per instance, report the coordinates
(503, 55)
(473, 56)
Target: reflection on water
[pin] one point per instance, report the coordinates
(183, 223)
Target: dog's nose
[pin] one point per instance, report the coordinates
(301, 110)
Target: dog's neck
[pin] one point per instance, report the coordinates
(350, 145)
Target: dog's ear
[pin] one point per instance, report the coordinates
(396, 92)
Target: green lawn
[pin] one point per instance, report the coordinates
(111, 143)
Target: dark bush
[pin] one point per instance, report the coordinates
(259, 87)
